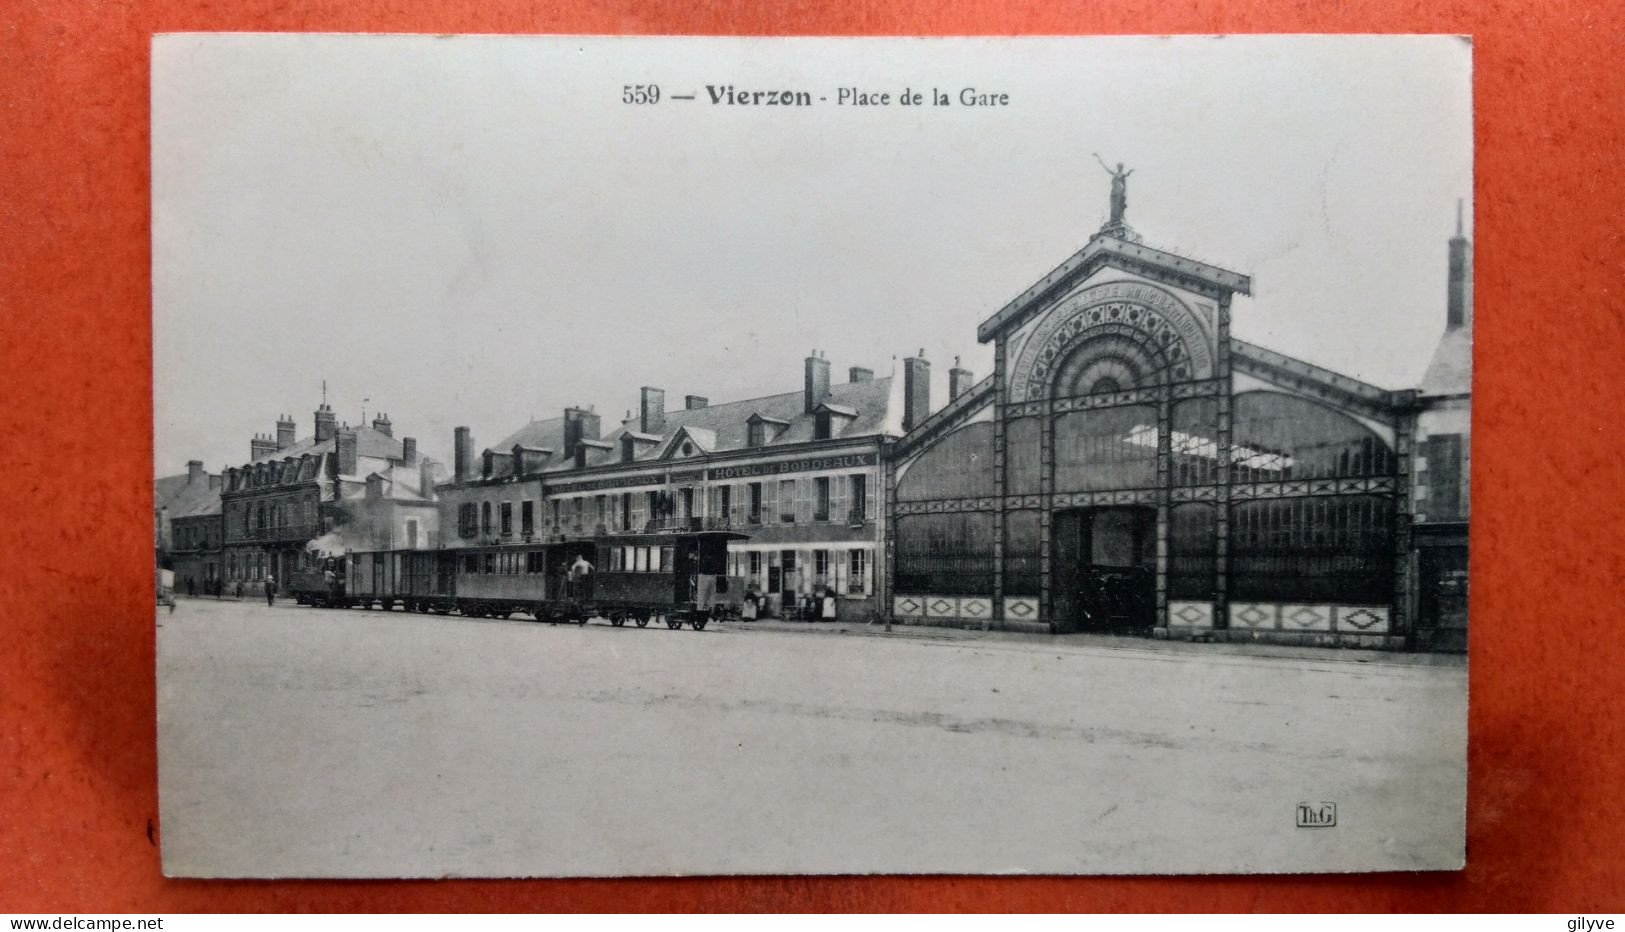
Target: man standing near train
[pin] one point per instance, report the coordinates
(270, 590)
(580, 575)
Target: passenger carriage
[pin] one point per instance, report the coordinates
(675, 577)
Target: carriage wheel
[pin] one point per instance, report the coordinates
(642, 621)
(617, 620)
(673, 622)
(698, 622)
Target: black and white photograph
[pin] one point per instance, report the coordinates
(636, 456)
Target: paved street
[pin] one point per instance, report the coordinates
(297, 741)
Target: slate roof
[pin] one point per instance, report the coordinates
(165, 488)
(719, 428)
(1451, 370)
(195, 500)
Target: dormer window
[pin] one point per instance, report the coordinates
(629, 450)
(829, 419)
(760, 430)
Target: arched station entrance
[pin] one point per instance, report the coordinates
(1104, 569)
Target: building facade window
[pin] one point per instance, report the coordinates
(467, 520)
(411, 533)
(857, 572)
(1442, 453)
(821, 499)
(505, 517)
(485, 518)
(787, 501)
(527, 518)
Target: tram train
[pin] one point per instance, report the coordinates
(677, 577)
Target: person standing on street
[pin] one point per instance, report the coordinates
(270, 590)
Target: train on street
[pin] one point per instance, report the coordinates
(674, 577)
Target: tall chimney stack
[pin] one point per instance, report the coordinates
(815, 384)
(652, 411)
(381, 424)
(959, 379)
(462, 447)
(327, 423)
(194, 471)
(344, 447)
(261, 446)
(860, 374)
(409, 451)
(1459, 300)
(286, 431)
(916, 391)
(695, 402)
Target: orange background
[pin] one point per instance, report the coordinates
(78, 797)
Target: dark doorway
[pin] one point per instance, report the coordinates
(1441, 622)
(1103, 569)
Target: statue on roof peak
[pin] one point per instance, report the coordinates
(1119, 188)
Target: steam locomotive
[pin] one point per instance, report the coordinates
(678, 577)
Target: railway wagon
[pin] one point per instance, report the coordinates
(679, 577)
(416, 580)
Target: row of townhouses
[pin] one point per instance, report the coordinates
(1128, 463)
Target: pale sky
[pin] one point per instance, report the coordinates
(477, 231)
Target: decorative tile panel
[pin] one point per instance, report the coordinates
(1253, 615)
(941, 606)
(1021, 608)
(909, 606)
(1362, 619)
(1190, 614)
(975, 607)
(1306, 617)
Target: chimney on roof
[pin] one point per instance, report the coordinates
(462, 447)
(327, 423)
(286, 430)
(409, 451)
(579, 424)
(860, 374)
(214, 480)
(959, 379)
(194, 471)
(695, 402)
(652, 411)
(916, 391)
(261, 446)
(815, 383)
(1459, 299)
(344, 451)
(382, 425)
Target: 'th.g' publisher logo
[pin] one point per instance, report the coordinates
(1313, 815)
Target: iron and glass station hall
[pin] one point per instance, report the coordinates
(1130, 466)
